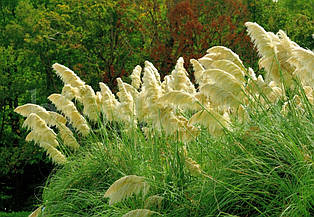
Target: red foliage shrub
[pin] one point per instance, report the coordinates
(192, 26)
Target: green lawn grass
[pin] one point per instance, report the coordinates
(14, 214)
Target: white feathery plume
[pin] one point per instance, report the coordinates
(256, 85)
(67, 137)
(165, 120)
(126, 106)
(136, 77)
(222, 87)
(44, 136)
(151, 88)
(202, 98)
(27, 109)
(165, 84)
(262, 40)
(51, 118)
(140, 213)
(275, 93)
(142, 109)
(274, 67)
(198, 70)
(275, 51)
(259, 86)
(54, 154)
(67, 75)
(186, 132)
(98, 100)
(40, 128)
(226, 81)
(109, 102)
(303, 61)
(205, 61)
(149, 66)
(89, 102)
(180, 77)
(105, 91)
(123, 94)
(230, 67)
(180, 99)
(55, 119)
(131, 90)
(38, 137)
(252, 74)
(285, 49)
(126, 187)
(71, 92)
(214, 122)
(68, 108)
(223, 53)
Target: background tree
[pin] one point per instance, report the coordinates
(102, 40)
(189, 28)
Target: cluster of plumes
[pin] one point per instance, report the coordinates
(225, 87)
(282, 58)
(39, 120)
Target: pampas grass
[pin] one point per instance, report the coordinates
(125, 187)
(249, 138)
(68, 108)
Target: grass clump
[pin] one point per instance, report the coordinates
(263, 167)
(235, 145)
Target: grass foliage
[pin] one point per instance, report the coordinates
(262, 167)
(14, 214)
(246, 151)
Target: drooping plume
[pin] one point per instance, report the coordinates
(68, 108)
(223, 88)
(223, 53)
(303, 61)
(89, 102)
(44, 136)
(67, 75)
(125, 187)
(71, 92)
(262, 40)
(214, 122)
